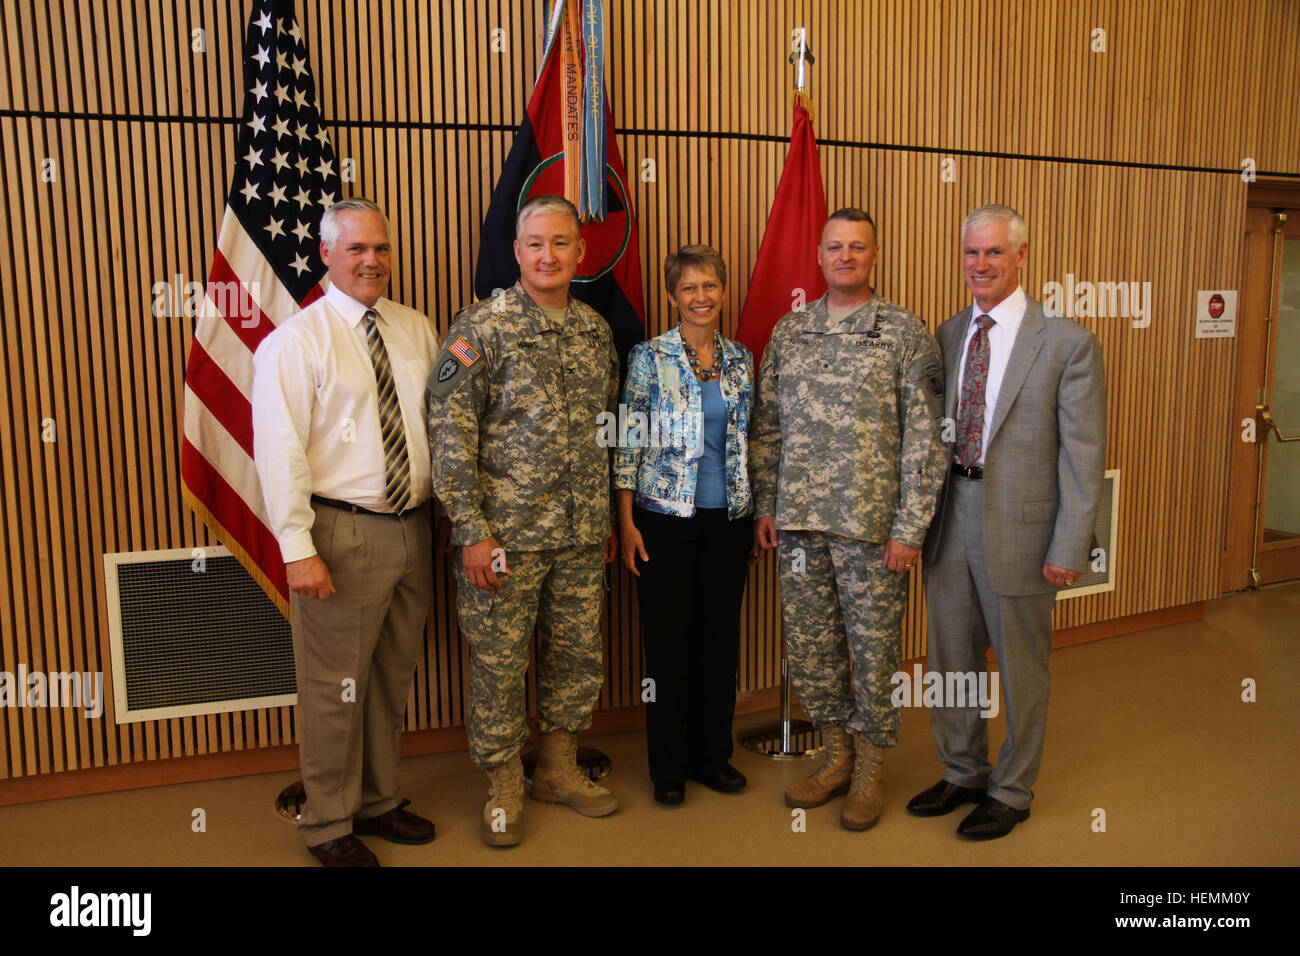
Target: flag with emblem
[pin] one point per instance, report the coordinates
(786, 274)
(266, 267)
(566, 147)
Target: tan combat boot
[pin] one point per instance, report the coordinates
(557, 778)
(503, 814)
(867, 792)
(830, 779)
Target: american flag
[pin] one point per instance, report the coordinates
(267, 266)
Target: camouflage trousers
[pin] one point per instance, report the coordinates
(843, 614)
(558, 591)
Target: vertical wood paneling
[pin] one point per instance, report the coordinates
(426, 109)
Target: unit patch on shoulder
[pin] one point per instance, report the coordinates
(458, 362)
(934, 378)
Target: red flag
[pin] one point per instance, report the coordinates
(609, 279)
(267, 266)
(786, 274)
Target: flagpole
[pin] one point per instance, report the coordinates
(778, 740)
(799, 57)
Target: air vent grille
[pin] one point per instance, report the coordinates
(194, 634)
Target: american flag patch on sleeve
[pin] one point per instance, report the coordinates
(463, 351)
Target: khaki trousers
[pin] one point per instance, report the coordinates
(355, 652)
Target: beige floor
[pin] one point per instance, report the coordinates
(1149, 728)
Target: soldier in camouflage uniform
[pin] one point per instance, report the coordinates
(847, 462)
(513, 405)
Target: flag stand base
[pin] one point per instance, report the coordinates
(290, 801)
(787, 738)
(784, 740)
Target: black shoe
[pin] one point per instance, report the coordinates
(670, 794)
(943, 797)
(991, 819)
(726, 779)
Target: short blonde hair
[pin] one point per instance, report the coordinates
(694, 256)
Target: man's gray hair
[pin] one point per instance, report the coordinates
(329, 219)
(995, 213)
(542, 204)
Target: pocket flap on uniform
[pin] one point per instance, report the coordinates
(862, 368)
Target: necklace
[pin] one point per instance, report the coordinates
(706, 373)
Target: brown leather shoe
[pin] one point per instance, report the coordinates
(396, 826)
(345, 851)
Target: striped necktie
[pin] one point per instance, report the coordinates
(397, 467)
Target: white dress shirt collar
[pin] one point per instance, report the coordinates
(1008, 313)
(351, 310)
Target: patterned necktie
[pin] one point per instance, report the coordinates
(397, 467)
(970, 416)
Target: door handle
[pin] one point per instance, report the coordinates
(1265, 419)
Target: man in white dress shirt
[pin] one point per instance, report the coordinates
(343, 457)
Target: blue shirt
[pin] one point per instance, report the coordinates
(711, 481)
(658, 458)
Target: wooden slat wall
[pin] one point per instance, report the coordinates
(143, 129)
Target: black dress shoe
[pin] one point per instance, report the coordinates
(726, 779)
(398, 825)
(991, 819)
(943, 797)
(345, 851)
(670, 794)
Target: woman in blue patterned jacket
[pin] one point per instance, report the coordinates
(686, 518)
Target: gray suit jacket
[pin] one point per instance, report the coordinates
(1044, 458)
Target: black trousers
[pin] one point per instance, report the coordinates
(689, 593)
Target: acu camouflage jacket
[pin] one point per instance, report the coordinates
(847, 425)
(513, 407)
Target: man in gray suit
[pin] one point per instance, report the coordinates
(1027, 393)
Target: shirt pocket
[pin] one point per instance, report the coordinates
(582, 371)
(868, 379)
(525, 382)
